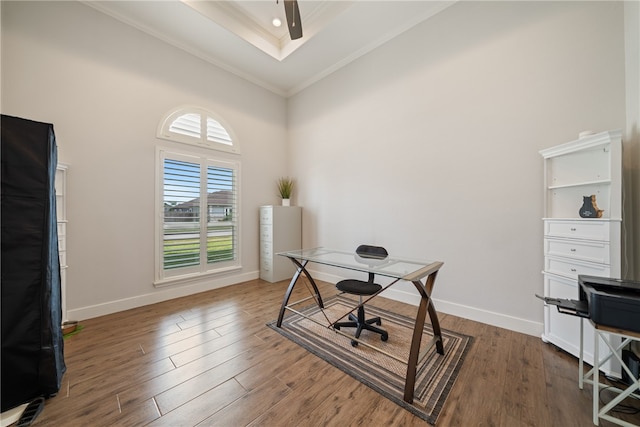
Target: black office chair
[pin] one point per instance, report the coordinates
(371, 254)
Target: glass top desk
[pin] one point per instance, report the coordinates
(396, 268)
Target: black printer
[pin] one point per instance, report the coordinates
(612, 302)
(608, 302)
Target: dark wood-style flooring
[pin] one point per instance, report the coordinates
(209, 359)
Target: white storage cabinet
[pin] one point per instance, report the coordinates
(61, 214)
(280, 230)
(573, 245)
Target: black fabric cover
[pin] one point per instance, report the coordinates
(32, 345)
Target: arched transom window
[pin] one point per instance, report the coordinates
(197, 126)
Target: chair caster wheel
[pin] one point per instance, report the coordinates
(379, 322)
(337, 328)
(354, 343)
(384, 337)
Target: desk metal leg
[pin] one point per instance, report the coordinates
(300, 268)
(433, 315)
(425, 305)
(414, 351)
(435, 324)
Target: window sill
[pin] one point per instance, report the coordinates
(193, 277)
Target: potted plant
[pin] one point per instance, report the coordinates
(285, 188)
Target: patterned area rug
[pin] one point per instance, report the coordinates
(436, 373)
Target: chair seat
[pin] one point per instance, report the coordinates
(358, 287)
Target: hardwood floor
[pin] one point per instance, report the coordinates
(209, 360)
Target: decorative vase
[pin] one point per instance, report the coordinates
(286, 202)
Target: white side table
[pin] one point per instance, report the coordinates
(593, 376)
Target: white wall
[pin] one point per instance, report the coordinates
(105, 87)
(632, 136)
(429, 144)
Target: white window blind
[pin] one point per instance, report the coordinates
(217, 133)
(196, 126)
(199, 227)
(181, 228)
(187, 124)
(221, 211)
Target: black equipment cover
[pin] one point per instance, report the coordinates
(32, 345)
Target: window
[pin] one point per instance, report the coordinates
(196, 126)
(198, 204)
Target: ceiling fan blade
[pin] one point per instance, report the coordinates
(292, 12)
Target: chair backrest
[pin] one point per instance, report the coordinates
(368, 251)
(372, 252)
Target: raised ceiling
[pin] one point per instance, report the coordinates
(237, 35)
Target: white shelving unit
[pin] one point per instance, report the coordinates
(573, 245)
(61, 213)
(280, 231)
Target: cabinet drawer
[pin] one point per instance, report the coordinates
(588, 229)
(560, 287)
(266, 233)
(576, 249)
(266, 249)
(266, 258)
(572, 268)
(266, 216)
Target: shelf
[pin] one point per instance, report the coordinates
(580, 184)
(574, 174)
(580, 219)
(586, 143)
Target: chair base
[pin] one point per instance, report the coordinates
(363, 324)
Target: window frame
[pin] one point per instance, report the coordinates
(164, 277)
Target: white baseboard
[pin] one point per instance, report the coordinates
(472, 313)
(170, 292)
(161, 294)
